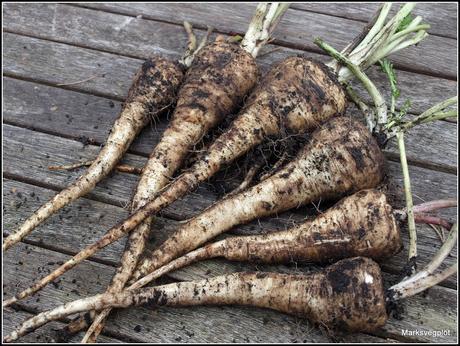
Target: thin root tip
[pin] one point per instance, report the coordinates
(5, 246)
(8, 338)
(8, 302)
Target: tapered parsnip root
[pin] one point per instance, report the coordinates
(348, 295)
(360, 225)
(154, 88)
(220, 76)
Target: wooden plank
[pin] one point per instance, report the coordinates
(140, 39)
(294, 30)
(228, 324)
(441, 16)
(54, 63)
(43, 150)
(76, 226)
(67, 113)
(25, 262)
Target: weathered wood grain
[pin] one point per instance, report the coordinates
(43, 150)
(67, 113)
(76, 226)
(26, 56)
(147, 37)
(47, 334)
(441, 16)
(296, 30)
(134, 36)
(124, 35)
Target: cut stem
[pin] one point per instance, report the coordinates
(425, 282)
(192, 48)
(435, 205)
(431, 220)
(262, 25)
(380, 41)
(379, 101)
(426, 278)
(409, 202)
(437, 112)
(383, 40)
(376, 47)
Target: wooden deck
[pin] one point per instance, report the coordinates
(49, 119)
